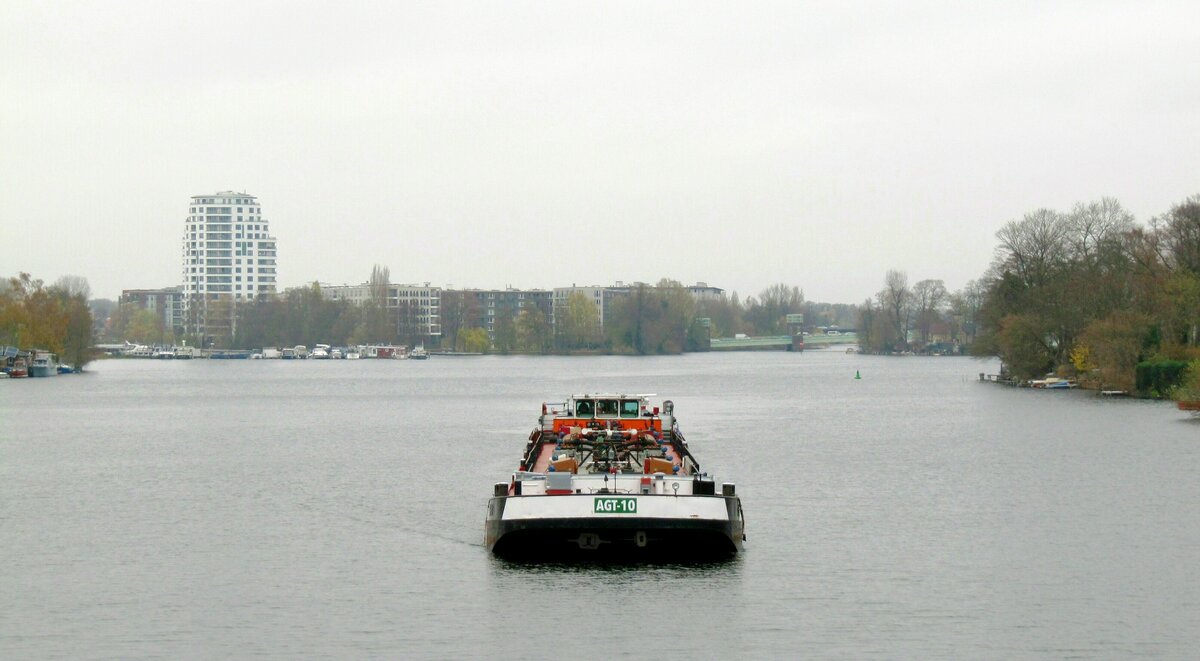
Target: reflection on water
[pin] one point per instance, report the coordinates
(333, 508)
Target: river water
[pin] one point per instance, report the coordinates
(202, 509)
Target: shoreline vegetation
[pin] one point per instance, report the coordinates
(1088, 294)
(57, 318)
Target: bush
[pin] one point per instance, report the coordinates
(1157, 377)
(1189, 390)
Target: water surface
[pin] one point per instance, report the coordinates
(335, 509)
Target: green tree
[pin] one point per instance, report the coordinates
(533, 332)
(473, 340)
(578, 323)
(505, 328)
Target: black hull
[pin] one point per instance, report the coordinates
(615, 540)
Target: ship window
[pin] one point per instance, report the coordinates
(606, 407)
(584, 408)
(629, 408)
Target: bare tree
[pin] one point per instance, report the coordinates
(928, 299)
(74, 285)
(1031, 247)
(1090, 226)
(895, 300)
(379, 284)
(1181, 230)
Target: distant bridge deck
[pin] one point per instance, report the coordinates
(778, 342)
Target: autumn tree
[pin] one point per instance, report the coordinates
(55, 318)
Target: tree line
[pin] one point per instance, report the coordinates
(922, 318)
(53, 318)
(646, 319)
(1088, 292)
(1094, 293)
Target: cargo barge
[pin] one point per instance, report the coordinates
(608, 477)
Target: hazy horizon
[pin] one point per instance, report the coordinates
(538, 145)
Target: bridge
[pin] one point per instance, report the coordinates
(778, 342)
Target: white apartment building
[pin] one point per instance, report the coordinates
(228, 252)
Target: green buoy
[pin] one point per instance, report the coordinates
(857, 375)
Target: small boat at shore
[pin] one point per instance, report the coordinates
(418, 353)
(608, 477)
(1053, 383)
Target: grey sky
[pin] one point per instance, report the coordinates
(542, 144)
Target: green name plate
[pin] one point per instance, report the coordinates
(610, 505)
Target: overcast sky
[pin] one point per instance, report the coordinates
(544, 144)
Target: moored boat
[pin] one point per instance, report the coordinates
(418, 353)
(44, 364)
(607, 477)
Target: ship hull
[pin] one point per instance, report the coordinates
(562, 529)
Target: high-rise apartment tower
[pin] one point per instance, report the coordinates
(228, 258)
